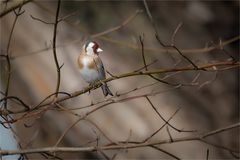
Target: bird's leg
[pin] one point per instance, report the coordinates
(102, 82)
(90, 84)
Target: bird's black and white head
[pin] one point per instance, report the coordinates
(92, 48)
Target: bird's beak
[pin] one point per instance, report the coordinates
(99, 50)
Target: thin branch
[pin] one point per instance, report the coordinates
(54, 49)
(178, 51)
(173, 36)
(49, 96)
(141, 73)
(220, 130)
(135, 47)
(219, 146)
(157, 131)
(67, 16)
(129, 19)
(104, 155)
(40, 20)
(175, 32)
(100, 107)
(16, 98)
(234, 155)
(126, 44)
(117, 147)
(8, 59)
(146, 68)
(207, 154)
(165, 121)
(166, 152)
(143, 55)
(50, 156)
(107, 102)
(147, 65)
(88, 120)
(100, 130)
(169, 134)
(14, 6)
(209, 81)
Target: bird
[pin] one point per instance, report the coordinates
(91, 66)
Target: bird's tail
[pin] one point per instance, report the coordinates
(106, 90)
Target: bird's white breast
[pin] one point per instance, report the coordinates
(89, 75)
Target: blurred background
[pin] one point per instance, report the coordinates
(210, 105)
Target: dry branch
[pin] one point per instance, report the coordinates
(166, 121)
(17, 13)
(13, 6)
(129, 145)
(58, 67)
(124, 23)
(130, 74)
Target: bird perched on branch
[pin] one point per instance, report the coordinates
(91, 66)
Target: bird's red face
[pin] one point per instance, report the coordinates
(95, 47)
(92, 48)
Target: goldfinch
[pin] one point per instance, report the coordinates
(91, 66)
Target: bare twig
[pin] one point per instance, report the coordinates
(147, 65)
(146, 68)
(16, 98)
(117, 27)
(100, 107)
(49, 96)
(14, 6)
(54, 48)
(173, 36)
(67, 16)
(175, 32)
(165, 121)
(40, 20)
(223, 129)
(141, 73)
(104, 155)
(169, 134)
(178, 51)
(154, 133)
(106, 103)
(219, 146)
(135, 47)
(50, 156)
(143, 55)
(209, 81)
(116, 147)
(166, 152)
(8, 59)
(207, 154)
